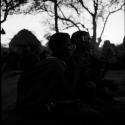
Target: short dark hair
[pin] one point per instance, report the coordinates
(76, 36)
(57, 40)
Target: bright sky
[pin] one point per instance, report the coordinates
(114, 30)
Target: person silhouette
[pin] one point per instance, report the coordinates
(81, 70)
(27, 47)
(44, 83)
(61, 47)
(28, 50)
(82, 66)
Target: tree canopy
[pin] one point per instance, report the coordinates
(65, 14)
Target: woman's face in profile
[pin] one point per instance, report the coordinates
(66, 48)
(85, 38)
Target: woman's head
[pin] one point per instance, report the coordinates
(24, 41)
(27, 47)
(81, 41)
(80, 37)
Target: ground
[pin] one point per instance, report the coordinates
(9, 96)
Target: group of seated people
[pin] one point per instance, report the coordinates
(65, 74)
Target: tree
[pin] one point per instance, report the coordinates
(56, 16)
(8, 6)
(81, 14)
(43, 6)
(54, 11)
(100, 8)
(111, 8)
(72, 13)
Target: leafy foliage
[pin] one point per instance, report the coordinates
(8, 6)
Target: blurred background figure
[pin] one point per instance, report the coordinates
(27, 48)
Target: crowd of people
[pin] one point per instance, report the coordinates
(65, 77)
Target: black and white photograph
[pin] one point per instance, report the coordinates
(63, 62)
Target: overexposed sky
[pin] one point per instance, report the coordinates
(114, 30)
(15, 23)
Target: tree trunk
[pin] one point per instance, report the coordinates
(94, 30)
(56, 16)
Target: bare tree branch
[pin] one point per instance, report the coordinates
(85, 7)
(84, 27)
(104, 25)
(10, 5)
(69, 20)
(69, 26)
(5, 12)
(108, 17)
(75, 8)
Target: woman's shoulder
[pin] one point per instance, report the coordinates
(51, 62)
